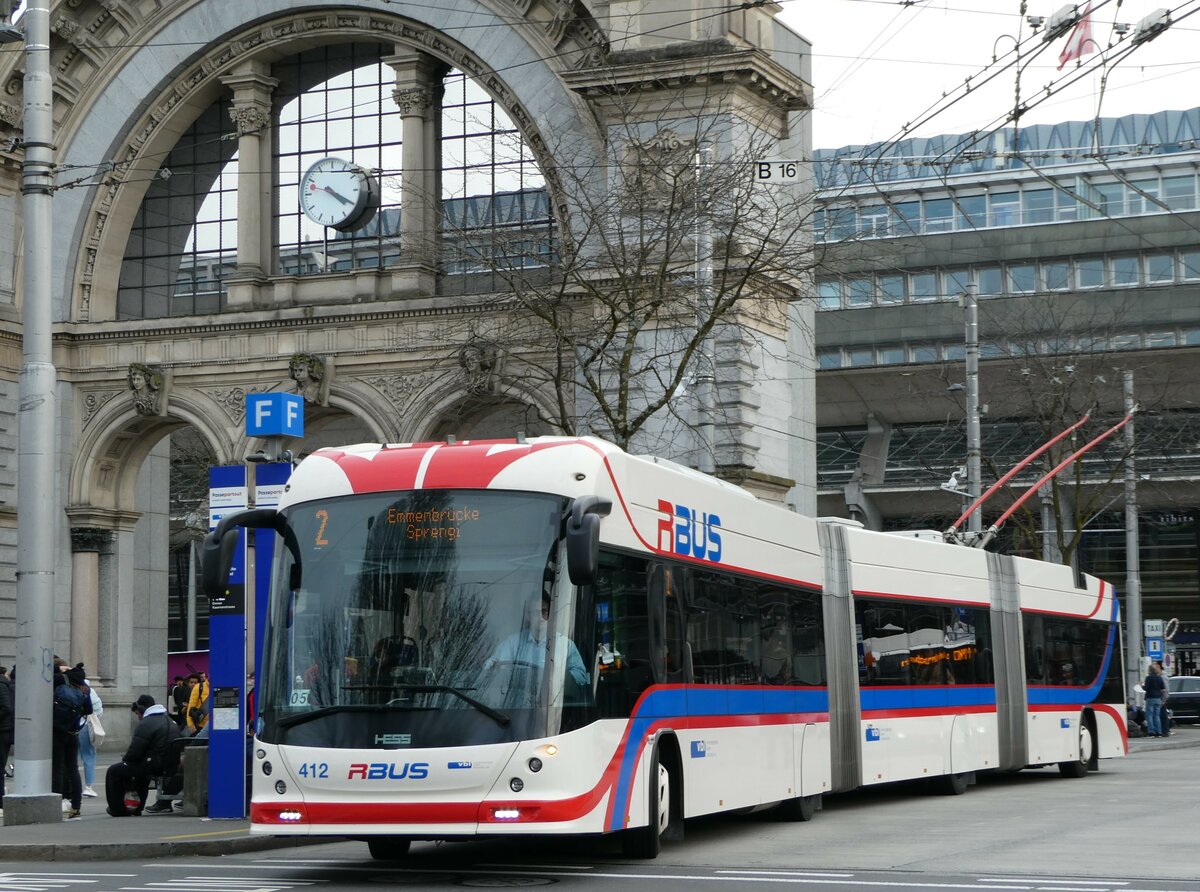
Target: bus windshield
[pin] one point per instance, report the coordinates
(427, 618)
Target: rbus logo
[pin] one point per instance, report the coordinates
(388, 771)
(689, 532)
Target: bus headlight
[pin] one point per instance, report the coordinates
(280, 787)
(516, 785)
(535, 764)
(267, 769)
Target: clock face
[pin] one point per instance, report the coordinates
(336, 193)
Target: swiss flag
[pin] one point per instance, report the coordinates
(1080, 43)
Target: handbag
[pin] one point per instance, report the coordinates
(95, 730)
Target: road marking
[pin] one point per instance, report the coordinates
(1080, 882)
(788, 873)
(210, 833)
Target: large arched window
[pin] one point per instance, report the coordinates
(493, 211)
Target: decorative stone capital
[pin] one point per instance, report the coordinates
(93, 539)
(413, 100)
(250, 119)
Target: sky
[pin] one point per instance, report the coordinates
(879, 65)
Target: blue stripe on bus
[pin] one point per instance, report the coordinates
(665, 704)
(927, 697)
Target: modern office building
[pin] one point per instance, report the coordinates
(1083, 241)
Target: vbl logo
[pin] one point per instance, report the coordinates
(689, 532)
(388, 771)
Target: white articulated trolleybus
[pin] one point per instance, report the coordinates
(556, 637)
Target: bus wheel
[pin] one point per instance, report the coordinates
(388, 848)
(954, 784)
(1079, 767)
(646, 842)
(802, 808)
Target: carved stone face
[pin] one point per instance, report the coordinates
(300, 371)
(137, 380)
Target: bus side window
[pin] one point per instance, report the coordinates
(622, 654)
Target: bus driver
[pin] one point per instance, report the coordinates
(526, 646)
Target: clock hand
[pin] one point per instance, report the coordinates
(343, 199)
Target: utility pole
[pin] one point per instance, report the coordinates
(974, 472)
(1133, 573)
(33, 802)
(705, 360)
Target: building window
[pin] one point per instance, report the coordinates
(906, 218)
(926, 353)
(1111, 198)
(1091, 272)
(860, 291)
(991, 280)
(1125, 271)
(829, 294)
(873, 222)
(1022, 278)
(1160, 268)
(1190, 265)
(1141, 197)
(891, 355)
(939, 215)
(922, 286)
(1179, 193)
(1057, 275)
(829, 359)
(1160, 339)
(1005, 209)
(860, 356)
(971, 211)
(1037, 206)
(1068, 205)
(954, 282)
(891, 288)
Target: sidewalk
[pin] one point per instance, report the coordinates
(98, 837)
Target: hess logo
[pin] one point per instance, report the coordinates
(388, 771)
(688, 532)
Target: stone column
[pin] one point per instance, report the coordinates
(252, 90)
(87, 543)
(418, 96)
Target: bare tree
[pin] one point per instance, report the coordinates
(673, 262)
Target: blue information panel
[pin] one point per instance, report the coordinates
(227, 660)
(1154, 649)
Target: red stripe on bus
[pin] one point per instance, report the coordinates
(922, 711)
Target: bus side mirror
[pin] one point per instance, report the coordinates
(583, 538)
(217, 556)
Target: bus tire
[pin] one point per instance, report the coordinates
(388, 848)
(1078, 767)
(646, 842)
(953, 784)
(802, 808)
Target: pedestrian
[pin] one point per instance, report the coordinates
(1166, 696)
(87, 736)
(197, 711)
(7, 722)
(146, 757)
(70, 707)
(179, 699)
(1156, 692)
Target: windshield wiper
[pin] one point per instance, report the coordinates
(497, 716)
(291, 721)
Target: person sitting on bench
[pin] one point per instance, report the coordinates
(147, 756)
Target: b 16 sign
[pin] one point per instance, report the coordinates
(778, 171)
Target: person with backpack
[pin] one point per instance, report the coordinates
(148, 756)
(198, 703)
(70, 707)
(91, 735)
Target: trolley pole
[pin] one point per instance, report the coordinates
(1133, 573)
(974, 471)
(33, 802)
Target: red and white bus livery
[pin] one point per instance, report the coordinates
(558, 637)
